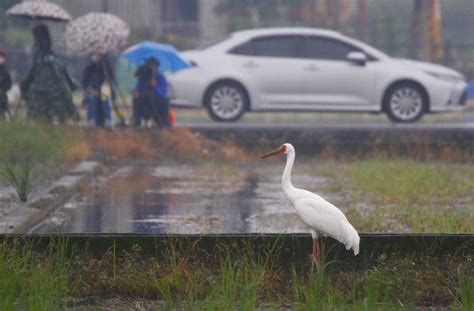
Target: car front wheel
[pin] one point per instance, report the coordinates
(405, 102)
(226, 101)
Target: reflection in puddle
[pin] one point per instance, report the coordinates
(182, 200)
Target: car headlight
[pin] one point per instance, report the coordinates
(444, 76)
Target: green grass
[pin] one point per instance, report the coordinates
(18, 177)
(36, 143)
(404, 195)
(411, 182)
(466, 292)
(29, 281)
(231, 278)
(30, 149)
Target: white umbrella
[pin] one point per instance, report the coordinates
(96, 33)
(39, 10)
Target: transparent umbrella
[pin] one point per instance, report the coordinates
(39, 10)
(93, 33)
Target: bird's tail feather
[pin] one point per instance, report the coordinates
(353, 239)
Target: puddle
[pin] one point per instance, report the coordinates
(184, 200)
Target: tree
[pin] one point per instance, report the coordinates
(242, 14)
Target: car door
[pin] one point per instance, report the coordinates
(331, 81)
(270, 65)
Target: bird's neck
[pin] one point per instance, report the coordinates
(286, 178)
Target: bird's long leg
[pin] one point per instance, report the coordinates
(315, 255)
(318, 252)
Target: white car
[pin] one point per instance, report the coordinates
(307, 69)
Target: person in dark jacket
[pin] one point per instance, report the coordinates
(96, 82)
(5, 85)
(48, 86)
(143, 98)
(151, 93)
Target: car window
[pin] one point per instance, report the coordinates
(275, 46)
(282, 46)
(246, 48)
(325, 48)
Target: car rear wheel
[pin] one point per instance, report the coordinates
(405, 102)
(226, 101)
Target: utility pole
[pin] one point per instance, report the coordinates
(415, 28)
(334, 11)
(434, 30)
(362, 19)
(105, 6)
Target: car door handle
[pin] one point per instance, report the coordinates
(250, 64)
(311, 68)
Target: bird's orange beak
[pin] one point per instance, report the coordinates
(274, 152)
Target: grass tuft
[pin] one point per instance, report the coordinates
(466, 292)
(229, 278)
(19, 177)
(29, 281)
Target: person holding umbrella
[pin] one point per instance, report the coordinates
(97, 79)
(151, 94)
(5, 85)
(48, 87)
(152, 56)
(98, 35)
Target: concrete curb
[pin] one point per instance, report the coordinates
(344, 139)
(22, 219)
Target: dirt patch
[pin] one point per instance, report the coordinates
(179, 144)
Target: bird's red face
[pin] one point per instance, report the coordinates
(280, 150)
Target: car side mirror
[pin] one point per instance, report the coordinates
(357, 57)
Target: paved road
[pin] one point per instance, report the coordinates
(295, 125)
(348, 137)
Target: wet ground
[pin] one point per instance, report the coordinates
(186, 200)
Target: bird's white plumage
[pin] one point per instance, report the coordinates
(320, 215)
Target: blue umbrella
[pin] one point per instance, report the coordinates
(169, 57)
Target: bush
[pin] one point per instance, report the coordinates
(39, 143)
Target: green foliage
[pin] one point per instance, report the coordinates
(19, 178)
(28, 282)
(242, 14)
(29, 147)
(429, 196)
(16, 36)
(35, 143)
(466, 292)
(411, 182)
(237, 284)
(6, 4)
(16, 33)
(230, 278)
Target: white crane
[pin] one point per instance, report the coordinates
(322, 217)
